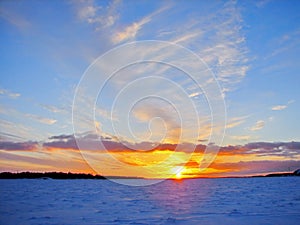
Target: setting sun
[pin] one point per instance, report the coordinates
(178, 175)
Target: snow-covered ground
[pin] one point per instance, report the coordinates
(200, 201)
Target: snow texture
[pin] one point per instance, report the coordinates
(198, 201)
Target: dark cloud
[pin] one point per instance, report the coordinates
(273, 145)
(23, 146)
(61, 144)
(62, 136)
(86, 141)
(289, 149)
(92, 141)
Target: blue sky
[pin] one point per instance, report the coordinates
(252, 47)
(46, 47)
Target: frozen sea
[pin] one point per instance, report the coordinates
(196, 201)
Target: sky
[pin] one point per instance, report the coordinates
(150, 88)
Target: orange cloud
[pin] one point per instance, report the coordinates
(163, 160)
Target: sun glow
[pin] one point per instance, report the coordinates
(178, 175)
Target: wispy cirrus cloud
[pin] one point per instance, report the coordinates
(102, 16)
(28, 126)
(281, 107)
(165, 126)
(285, 43)
(262, 3)
(10, 94)
(40, 119)
(195, 94)
(258, 125)
(15, 131)
(217, 37)
(52, 108)
(188, 37)
(9, 13)
(241, 137)
(131, 31)
(9, 137)
(234, 122)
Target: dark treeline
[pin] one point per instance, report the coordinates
(295, 173)
(61, 175)
(47, 175)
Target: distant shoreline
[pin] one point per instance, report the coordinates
(48, 175)
(72, 176)
(292, 174)
(58, 176)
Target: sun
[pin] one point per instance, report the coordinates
(178, 175)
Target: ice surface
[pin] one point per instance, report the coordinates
(199, 201)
